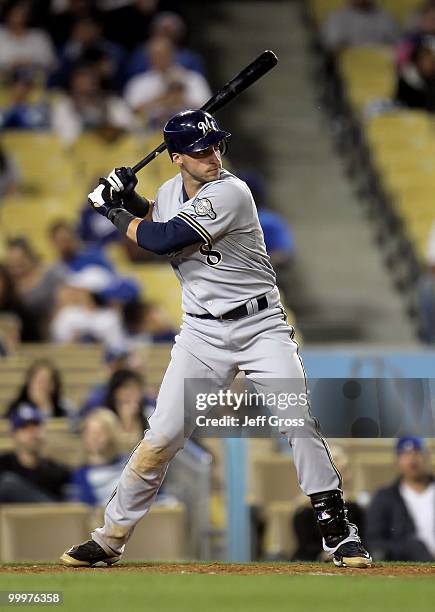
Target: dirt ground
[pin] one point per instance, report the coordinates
(379, 569)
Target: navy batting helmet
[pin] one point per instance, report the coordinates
(192, 131)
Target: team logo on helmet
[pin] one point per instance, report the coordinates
(204, 208)
(208, 125)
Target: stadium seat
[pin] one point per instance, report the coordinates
(373, 471)
(321, 9)
(398, 128)
(43, 161)
(94, 158)
(40, 532)
(31, 215)
(159, 284)
(403, 146)
(79, 365)
(274, 479)
(400, 9)
(280, 539)
(256, 449)
(367, 73)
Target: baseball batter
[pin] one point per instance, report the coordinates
(205, 220)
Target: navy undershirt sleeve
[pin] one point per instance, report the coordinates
(165, 238)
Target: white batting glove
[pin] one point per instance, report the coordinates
(101, 198)
(122, 180)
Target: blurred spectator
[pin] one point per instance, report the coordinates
(74, 257)
(71, 253)
(127, 22)
(121, 291)
(167, 25)
(25, 475)
(309, 540)
(63, 14)
(361, 22)
(94, 482)
(416, 79)
(125, 397)
(426, 293)
(81, 315)
(401, 517)
(116, 358)
(423, 32)
(278, 234)
(87, 107)
(415, 19)
(167, 87)
(87, 45)
(22, 46)
(42, 389)
(93, 228)
(10, 334)
(9, 174)
(22, 112)
(35, 283)
(10, 304)
(148, 322)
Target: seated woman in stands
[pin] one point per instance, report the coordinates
(416, 79)
(125, 397)
(95, 480)
(42, 389)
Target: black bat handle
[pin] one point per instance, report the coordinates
(149, 158)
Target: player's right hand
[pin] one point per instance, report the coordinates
(123, 181)
(102, 198)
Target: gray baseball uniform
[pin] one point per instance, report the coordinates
(228, 268)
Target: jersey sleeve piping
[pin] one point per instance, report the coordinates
(196, 226)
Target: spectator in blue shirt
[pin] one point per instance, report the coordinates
(94, 482)
(71, 253)
(87, 45)
(115, 358)
(169, 25)
(278, 235)
(94, 229)
(23, 113)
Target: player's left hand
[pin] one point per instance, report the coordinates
(102, 199)
(123, 181)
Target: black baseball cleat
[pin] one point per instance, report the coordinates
(87, 554)
(350, 552)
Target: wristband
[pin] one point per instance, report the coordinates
(136, 204)
(120, 218)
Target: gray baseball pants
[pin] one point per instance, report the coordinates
(260, 345)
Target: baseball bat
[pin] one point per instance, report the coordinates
(249, 75)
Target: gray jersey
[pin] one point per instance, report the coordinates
(231, 266)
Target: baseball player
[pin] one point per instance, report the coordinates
(205, 220)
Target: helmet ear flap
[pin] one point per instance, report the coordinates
(223, 146)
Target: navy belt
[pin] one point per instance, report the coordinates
(237, 313)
